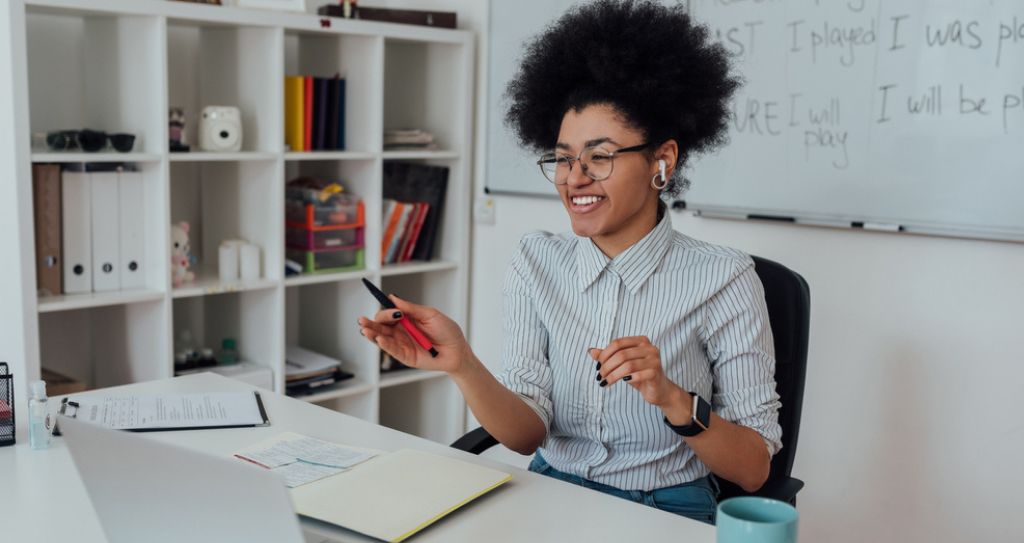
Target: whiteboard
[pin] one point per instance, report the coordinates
(903, 113)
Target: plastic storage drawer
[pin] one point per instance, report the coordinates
(342, 210)
(329, 261)
(312, 240)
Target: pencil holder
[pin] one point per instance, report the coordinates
(6, 405)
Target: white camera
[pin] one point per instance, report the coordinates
(220, 129)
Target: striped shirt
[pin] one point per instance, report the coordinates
(700, 304)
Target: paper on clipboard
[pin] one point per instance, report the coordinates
(172, 411)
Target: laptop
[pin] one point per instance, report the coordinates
(145, 490)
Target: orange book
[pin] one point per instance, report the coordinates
(392, 214)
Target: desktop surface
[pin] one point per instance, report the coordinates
(47, 501)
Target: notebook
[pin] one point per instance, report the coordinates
(395, 495)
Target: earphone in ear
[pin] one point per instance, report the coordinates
(661, 167)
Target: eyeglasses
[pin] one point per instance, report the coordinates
(88, 140)
(597, 163)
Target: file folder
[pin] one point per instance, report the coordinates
(106, 236)
(46, 200)
(76, 196)
(132, 198)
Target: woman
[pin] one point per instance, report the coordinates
(638, 361)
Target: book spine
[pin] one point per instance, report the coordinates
(307, 108)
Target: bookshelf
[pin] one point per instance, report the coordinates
(118, 65)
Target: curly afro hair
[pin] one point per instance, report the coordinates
(651, 62)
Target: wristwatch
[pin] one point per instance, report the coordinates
(701, 418)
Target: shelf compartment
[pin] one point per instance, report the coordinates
(430, 408)
(418, 90)
(436, 288)
(107, 346)
(84, 72)
(230, 200)
(357, 59)
(323, 318)
(227, 66)
(251, 318)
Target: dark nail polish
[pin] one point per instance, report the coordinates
(397, 314)
(604, 383)
(627, 378)
(598, 366)
(599, 377)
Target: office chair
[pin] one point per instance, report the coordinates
(789, 308)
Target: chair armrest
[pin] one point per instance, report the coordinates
(784, 489)
(476, 442)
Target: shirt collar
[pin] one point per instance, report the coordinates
(634, 265)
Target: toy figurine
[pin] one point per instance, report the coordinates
(181, 254)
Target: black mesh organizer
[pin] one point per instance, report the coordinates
(6, 405)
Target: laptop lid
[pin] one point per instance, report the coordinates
(145, 490)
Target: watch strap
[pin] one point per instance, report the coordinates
(701, 418)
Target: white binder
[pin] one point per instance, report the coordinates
(133, 243)
(76, 198)
(106, 234)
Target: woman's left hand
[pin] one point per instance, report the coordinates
(636, 361)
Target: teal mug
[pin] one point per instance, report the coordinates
(750, 519)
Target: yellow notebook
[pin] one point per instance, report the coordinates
(294, 93)
(395, 495)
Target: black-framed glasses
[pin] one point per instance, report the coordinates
(88, 140)
(596, 162)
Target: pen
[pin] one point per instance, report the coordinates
(414, 332)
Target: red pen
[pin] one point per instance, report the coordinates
(413, 332)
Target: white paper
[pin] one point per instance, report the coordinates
(302, 459)
(130, 412)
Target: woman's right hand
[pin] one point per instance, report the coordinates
(386, 332)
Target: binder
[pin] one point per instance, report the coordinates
(132, 246)
(76, 196)
(341, 114)
(320, 114)
(295, 115)
(331, 138)
(106, 233)
(307, 114)
(46, 207)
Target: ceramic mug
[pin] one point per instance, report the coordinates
(750, 519)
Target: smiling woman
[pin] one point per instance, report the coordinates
(615, 96)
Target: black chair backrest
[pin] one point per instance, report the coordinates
(789, 310)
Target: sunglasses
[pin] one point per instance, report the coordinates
(88, 140)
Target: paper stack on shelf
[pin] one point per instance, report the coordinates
(306, 371)
(413, 140)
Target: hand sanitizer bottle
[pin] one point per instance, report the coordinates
(38, 417)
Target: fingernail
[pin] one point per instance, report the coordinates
(627, 378)
(598, 366)
(396, 315)
(604, 383)
(599, 377)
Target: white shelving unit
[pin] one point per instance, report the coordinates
(118, 65)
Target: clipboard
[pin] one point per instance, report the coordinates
(169, 412)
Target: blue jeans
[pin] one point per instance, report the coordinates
(696, 499)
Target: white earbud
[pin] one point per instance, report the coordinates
(661, 168)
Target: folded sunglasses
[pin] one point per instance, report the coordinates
(88, 140)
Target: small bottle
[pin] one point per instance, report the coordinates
(38, 417)
(228, 351)
(206, 358)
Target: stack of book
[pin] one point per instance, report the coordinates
(413, 200)
(307, 371)
(410, 140)
(314, 118)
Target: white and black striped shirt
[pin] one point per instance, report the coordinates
(700, 304)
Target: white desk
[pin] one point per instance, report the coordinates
(41, 492)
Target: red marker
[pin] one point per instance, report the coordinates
(414, 332)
